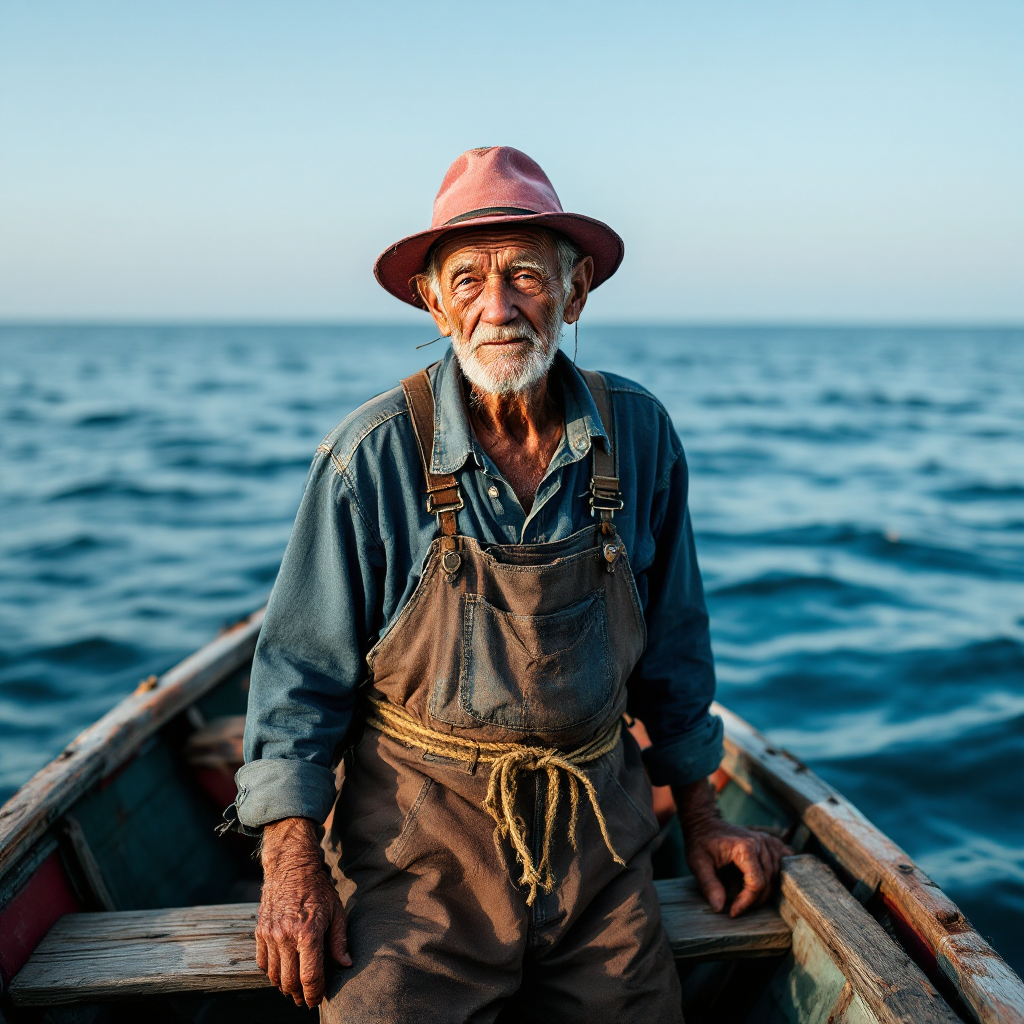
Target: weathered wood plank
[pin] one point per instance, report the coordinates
(985, 982)
(695, 931)
(890, 984)
(211, 948)
(108, 743)
(809, 988)
(990, 990)
(142, 952)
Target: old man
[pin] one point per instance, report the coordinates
(491, 566)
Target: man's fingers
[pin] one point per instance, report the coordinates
(273, 963)
(776, 850)
(311, 967)
(290, 983)
(765, 856)
(337, 938)
(745, 857)
(744, 901)
(703, 869)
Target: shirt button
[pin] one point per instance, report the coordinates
(492, 491)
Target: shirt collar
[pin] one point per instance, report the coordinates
(453, 437)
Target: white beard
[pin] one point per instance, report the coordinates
(510, 373)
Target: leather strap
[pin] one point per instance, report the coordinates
(605, 497)
(444, 498)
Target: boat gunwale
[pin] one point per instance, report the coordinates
(989, 988)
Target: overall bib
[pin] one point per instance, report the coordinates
(492, 838)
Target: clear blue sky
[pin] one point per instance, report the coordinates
(831, 160)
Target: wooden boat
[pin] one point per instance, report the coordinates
(119, 902)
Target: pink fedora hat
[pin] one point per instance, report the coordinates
(495, 185)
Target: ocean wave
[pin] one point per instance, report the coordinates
(882, 400)
(115, 489)
(741, 399)
(31, 690)
(796, 587)
(92, 653)
(21, 414)
(63, 579)
(730, 462)
(871, 672)
(241, 466)
(982, 492)
(836, 433)
(975, 864)
(107, 419)
(866, 733)
(879, 544)
(58, 550)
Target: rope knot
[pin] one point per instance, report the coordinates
(508, 762)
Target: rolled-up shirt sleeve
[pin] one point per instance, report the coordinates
(673, 685)
(309, 660)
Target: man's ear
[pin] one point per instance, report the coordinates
(429, 298)
(582, 275)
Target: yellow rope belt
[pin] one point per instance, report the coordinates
(509, 761)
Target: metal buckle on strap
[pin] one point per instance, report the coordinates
(605, 498)
(436, 507)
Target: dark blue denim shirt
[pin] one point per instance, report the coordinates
(358, 548)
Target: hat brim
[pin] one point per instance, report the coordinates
(401, 262)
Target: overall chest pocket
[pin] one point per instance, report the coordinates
(535, 673)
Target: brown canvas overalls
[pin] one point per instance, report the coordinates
(503, 683)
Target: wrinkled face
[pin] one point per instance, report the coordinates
(502, 298)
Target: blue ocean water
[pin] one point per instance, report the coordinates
(858, 497)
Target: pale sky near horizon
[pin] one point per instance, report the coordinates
(838, 160)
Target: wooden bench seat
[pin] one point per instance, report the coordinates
(696, 932)
(91, 957)
(88, 957)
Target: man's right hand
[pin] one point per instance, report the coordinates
(298, 907)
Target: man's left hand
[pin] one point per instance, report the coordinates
(713, 844)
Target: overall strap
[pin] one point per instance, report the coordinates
(443, 496)
(605, 497)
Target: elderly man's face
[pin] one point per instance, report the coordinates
(503, 301)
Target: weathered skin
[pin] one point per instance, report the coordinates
(713, 844)
(503, 278)
(500, 278)
(298, 907)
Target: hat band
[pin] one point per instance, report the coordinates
(490, 211)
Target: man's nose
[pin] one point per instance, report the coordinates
(498, 298)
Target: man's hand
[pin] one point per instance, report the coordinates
(298, 906)
(713, 844)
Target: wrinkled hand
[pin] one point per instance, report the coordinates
(712, 844)
(298, 907)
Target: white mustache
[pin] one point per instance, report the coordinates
(485, 334)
